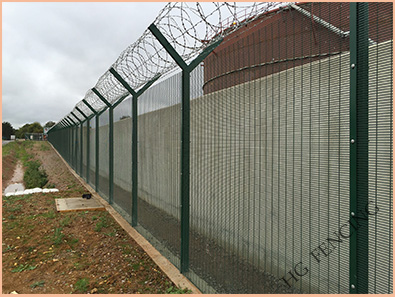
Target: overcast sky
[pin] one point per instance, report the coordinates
(52, 53)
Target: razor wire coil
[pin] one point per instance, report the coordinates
(189, 28)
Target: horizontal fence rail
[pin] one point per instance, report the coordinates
(251, 144)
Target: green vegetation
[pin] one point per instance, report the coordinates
(19, 148)
(34, 177)
(101, 224)
(37, 284)
(58, 236)
(7, 130)
(72, 242)
(17, 207)
(44, 147)
(176, 290)
(9, 148)
(22, 267)
(65, 222)
(12, 199)
(50, 214)
(82, 285)
(29, 128)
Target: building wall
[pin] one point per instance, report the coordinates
(285, 39)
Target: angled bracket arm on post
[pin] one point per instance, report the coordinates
(90, 117)
(120, 100)
(204, 54)
(134, 135)
(89, 106)
(97, 114)
(87, 143)
(185, 136)
(101, 97)
(76, 117)
(75, 124)
(122, 81)
(102, 111)
(163, 41)
(129, 88)
(68, 122)
(111, 144)
(80, 111)
(173, 53)
(148, 84)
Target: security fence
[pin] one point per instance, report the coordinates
(254, 151)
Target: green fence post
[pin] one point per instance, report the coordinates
(111, 151)
(88, 124)
(359, 88)
(134, 137)
(88, 161)
(81, 148)
(111, 145)
(97, 154)
(72, 142)
(185, 136)
(87, 145)
(76, 148)
(68, 140)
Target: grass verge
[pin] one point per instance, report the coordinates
(34, 176)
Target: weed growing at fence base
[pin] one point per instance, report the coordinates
(176, 290)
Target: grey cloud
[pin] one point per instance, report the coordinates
(54, 52)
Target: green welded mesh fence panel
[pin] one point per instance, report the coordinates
(66, 144)
(159, 166)
(74, 147)
(271, 194)
(78, 149)
(123, 158)
(84, 152)
(92, 154)
(379, 164)
(104, 131)
(270, 158)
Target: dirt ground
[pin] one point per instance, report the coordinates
(75, 252)
(8, 167)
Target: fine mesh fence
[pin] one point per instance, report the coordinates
(159, 166)
(92, 157)
(84, 150)
(123, 159)
(263, 162)
(376, 158)
(103, 149)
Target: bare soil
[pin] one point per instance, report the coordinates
(76, 252)
(8, 167)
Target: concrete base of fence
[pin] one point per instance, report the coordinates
(167, 267)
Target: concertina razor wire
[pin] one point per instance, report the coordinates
(189, 28)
